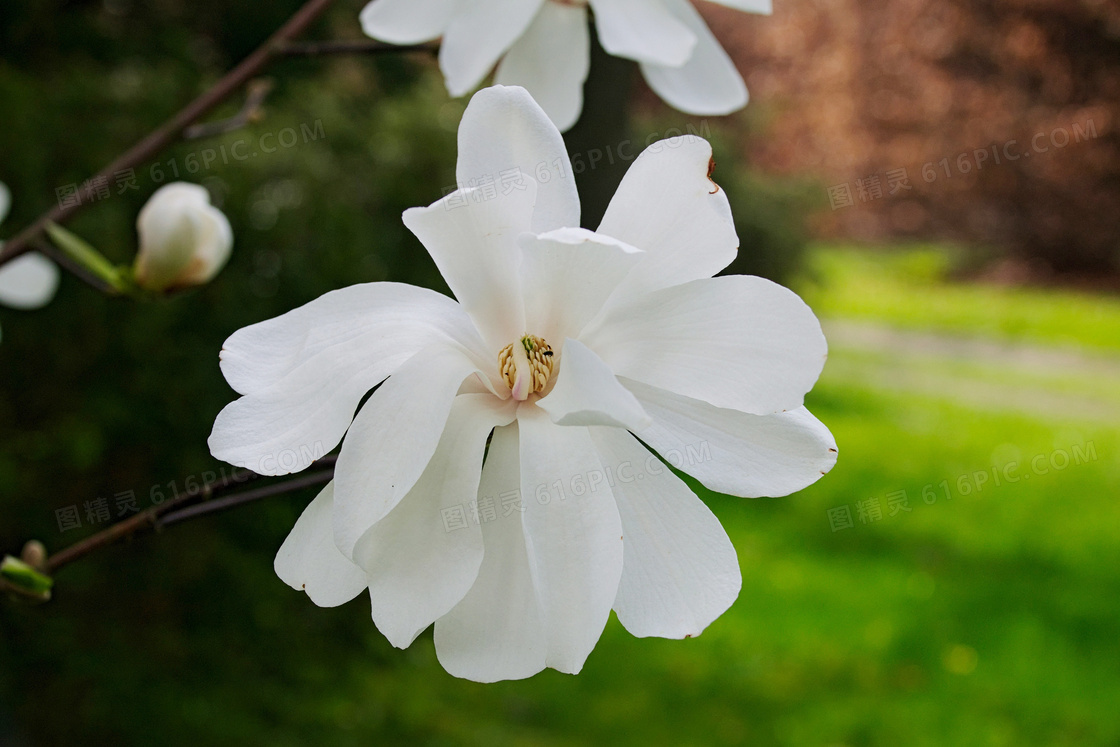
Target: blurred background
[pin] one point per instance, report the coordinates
(939, 180)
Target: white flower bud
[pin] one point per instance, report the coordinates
(184, 240)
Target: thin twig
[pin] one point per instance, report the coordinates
(348, 46)
(180, 509)
(251, 111)
(172, 129)
(142, 520)
(321, 477)
(59, 257)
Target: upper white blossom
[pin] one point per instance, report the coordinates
(184, 240)
(563, 345)
(30, 280)
(544, 46)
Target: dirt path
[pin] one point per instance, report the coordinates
(985, 373)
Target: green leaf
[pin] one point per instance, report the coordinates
(79, 250)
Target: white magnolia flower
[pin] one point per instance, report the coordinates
(544, 46)
(184, 240)
(563, 346)
(30, 280)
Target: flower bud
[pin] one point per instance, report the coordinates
(34, 554)
(184, 240)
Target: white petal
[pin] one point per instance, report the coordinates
(382, 324)
(766, 7)
(309, 561)
(5, 201)
(642, 30)
(573, 535)
(680, 571)
(286, 428)
(473, 241)
(305, 372)
(407, 21)
(669, 208)
(423, 557)
(497, 631)
(392, 440)
(567, 275)
(708, 83)
(551, 61)
(478, 35)
(213, 247)
(504, 133)
(738, 341)
(733, 452)
(28, 282)
(587, 393)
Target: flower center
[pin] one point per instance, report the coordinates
(526, 366)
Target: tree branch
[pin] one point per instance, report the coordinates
(251, 111)
(321, 477)
(172, 129)
(205, 501)
(49, 250)
(348, 46)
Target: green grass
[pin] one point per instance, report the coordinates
(913, 289)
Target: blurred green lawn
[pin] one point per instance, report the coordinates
(912, 289)
(985, 617)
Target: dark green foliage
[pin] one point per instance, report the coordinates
(770, 220)
(188, 637)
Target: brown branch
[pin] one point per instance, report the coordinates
(251, 111)
(321, 477)
(144, 520)
(205, 501)
(172, 129)
(348, 46)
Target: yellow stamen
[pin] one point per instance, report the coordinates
(526, 366)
